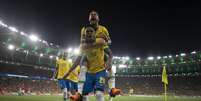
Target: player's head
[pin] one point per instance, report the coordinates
(93, 17)
(60, 56)
(89, 34)
(65, 55)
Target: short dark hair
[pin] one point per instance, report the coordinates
(93, 11)
(89, 25)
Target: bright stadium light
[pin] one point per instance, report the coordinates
(33, 38)
(41, 55)
(3, 24)
(194, 52)
(122, 66)
(11, 47)
(22, 33)
(57, 58)
(170, 56)
(158, 57)
(183, 54)
(44, 41)
(70, 60)
(13, 29)
(51, 57)
(76, 51)
(126, 58)
(150, 58)
(69, 50)
(165, 57)
(177, 55)
(138, 58)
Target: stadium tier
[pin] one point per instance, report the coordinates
(22, 61)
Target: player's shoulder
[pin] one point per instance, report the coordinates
(102, 27)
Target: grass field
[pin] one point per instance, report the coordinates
(119, 98)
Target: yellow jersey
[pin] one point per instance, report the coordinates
(101, 32)
(95, 59)
(73, 76)
(63, 66)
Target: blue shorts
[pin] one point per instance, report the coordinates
(73, 86)
(64, 84)
(94, 81)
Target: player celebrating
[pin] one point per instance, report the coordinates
(102, 32)
(95, 76)
(62, 66)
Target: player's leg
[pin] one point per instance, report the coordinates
(88, 86)
(111, 75)
(82, 75)
(100, 85)
(73, 90)
(63, 86)
(82, 79)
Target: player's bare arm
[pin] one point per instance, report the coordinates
(75, 64)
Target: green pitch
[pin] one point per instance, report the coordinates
(119, 98)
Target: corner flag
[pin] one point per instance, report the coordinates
(164, 76)
(165, 81)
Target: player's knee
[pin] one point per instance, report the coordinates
(85, 98)
(99, 96)
(99, 93)
(65, 90)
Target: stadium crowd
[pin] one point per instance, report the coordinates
(22, 86)
(178, 85)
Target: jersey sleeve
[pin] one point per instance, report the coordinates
(105, 35)
(81, 34)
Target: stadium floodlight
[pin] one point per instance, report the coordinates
(126, 58)
(44, 41)
(194, 52)
(158, 57)
(57, 58)
(41, 55)
(165, 57)
(3, 24)
(11, 47)
(177, 55)
(138, 58)
(22, 33)
(122, 66)
(170, 56)
(13, 29)
(33, 38)
(183, 54)
(76, 51)
(150, 58)
(69, 50)
(51, 56)
(70, 60)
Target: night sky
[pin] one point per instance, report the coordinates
(137, 28)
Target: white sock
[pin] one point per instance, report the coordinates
(111, 81)
(65, 94)
(85, 98)
(99, 96)
(80, 87)
(82, 77)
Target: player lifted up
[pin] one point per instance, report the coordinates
(96, 72)
(102, 32)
